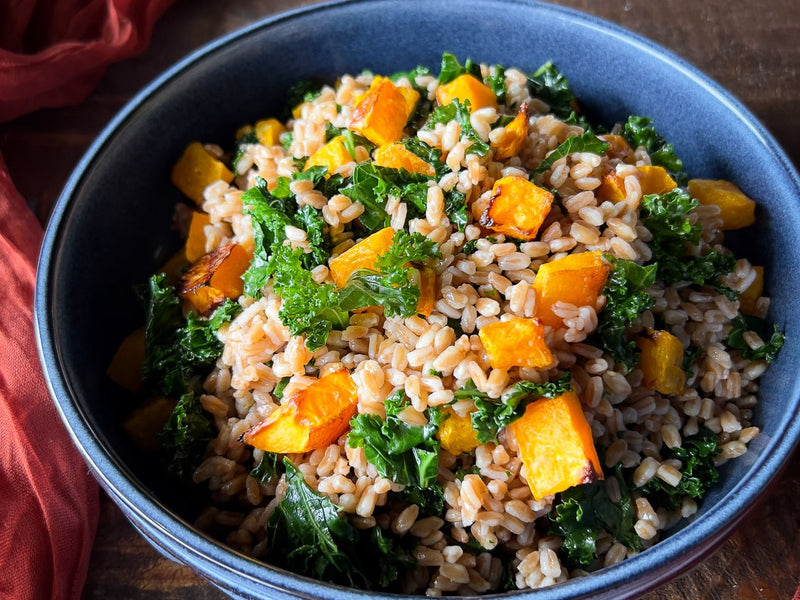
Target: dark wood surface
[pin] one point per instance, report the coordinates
(751, 48)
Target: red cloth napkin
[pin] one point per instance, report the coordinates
(52, 52)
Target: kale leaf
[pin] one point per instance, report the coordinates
(406, 454)
(185, 436)
(744, 323)
(639, 131)
(178, 352)
(582, 513)
(451, 68)
(371, 185)
(586, 142)
(267, 468)
(270, 214)
(459, 111)
(674, 235)
(308, 536)
(549, 84)
(307, 307)
(497, 82)
(241, 146)
(696, 454)
(492, 415)
(626, 297)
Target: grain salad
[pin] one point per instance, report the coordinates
(447, 335)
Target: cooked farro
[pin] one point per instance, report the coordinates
(644, 405)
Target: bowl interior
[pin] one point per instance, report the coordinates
(110, 230)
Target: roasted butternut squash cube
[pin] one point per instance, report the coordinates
(196, 241)
(361, 256)
(214, 277)
(577, 279)
(268, 132)
(126, 365)
(612, 188)
(516, 343)
(427, 291)
(555, 445)
(618, 147)
(661, 362)
(749, 297)
(381, 114)
(396, 156)
(311, 419)
(467, 87)
(655, 180)
(456, 433)
(196, 170)
(736, 209)
(332, 155)
(513, 138)
(147, 420)
(174, 267)
(517, 208)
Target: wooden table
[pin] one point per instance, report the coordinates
(749, 47)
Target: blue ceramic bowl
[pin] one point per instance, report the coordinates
(110, 230)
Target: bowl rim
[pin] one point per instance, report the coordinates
(663, 561)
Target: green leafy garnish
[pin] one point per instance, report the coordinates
(451, 68)
(185, 436)
(267, 468)
(497, 82)
(178, 352)
(549, 84)
(626, 297)
(674, 236)
(306, 535)
(312, 309)
(582, 513)
(492, 415)
(305, 90)
(639, 131)
(270, 214)
(248, 138)
(459, 111)
(586, 142)
(696, 454)
(744, 323)
(406, 454)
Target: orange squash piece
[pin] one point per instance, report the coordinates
(467, 87)
(661, 362)
(555, 445)
(612, 188)
(456, 433)
(126, 365)
(174, 267)
(577, 279)
(381, 114)
(361, 256)
(749, 297)
(618, 147)
(517, 208)
(655, 180)
(311, 419)
(396, 156)
(196, 170)
(214, 277)
(332, 155)
(736, 209)
(196, 240)
(513, 138)
(145, 422)
(268, 132)
(427, 291)
(515, 343)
